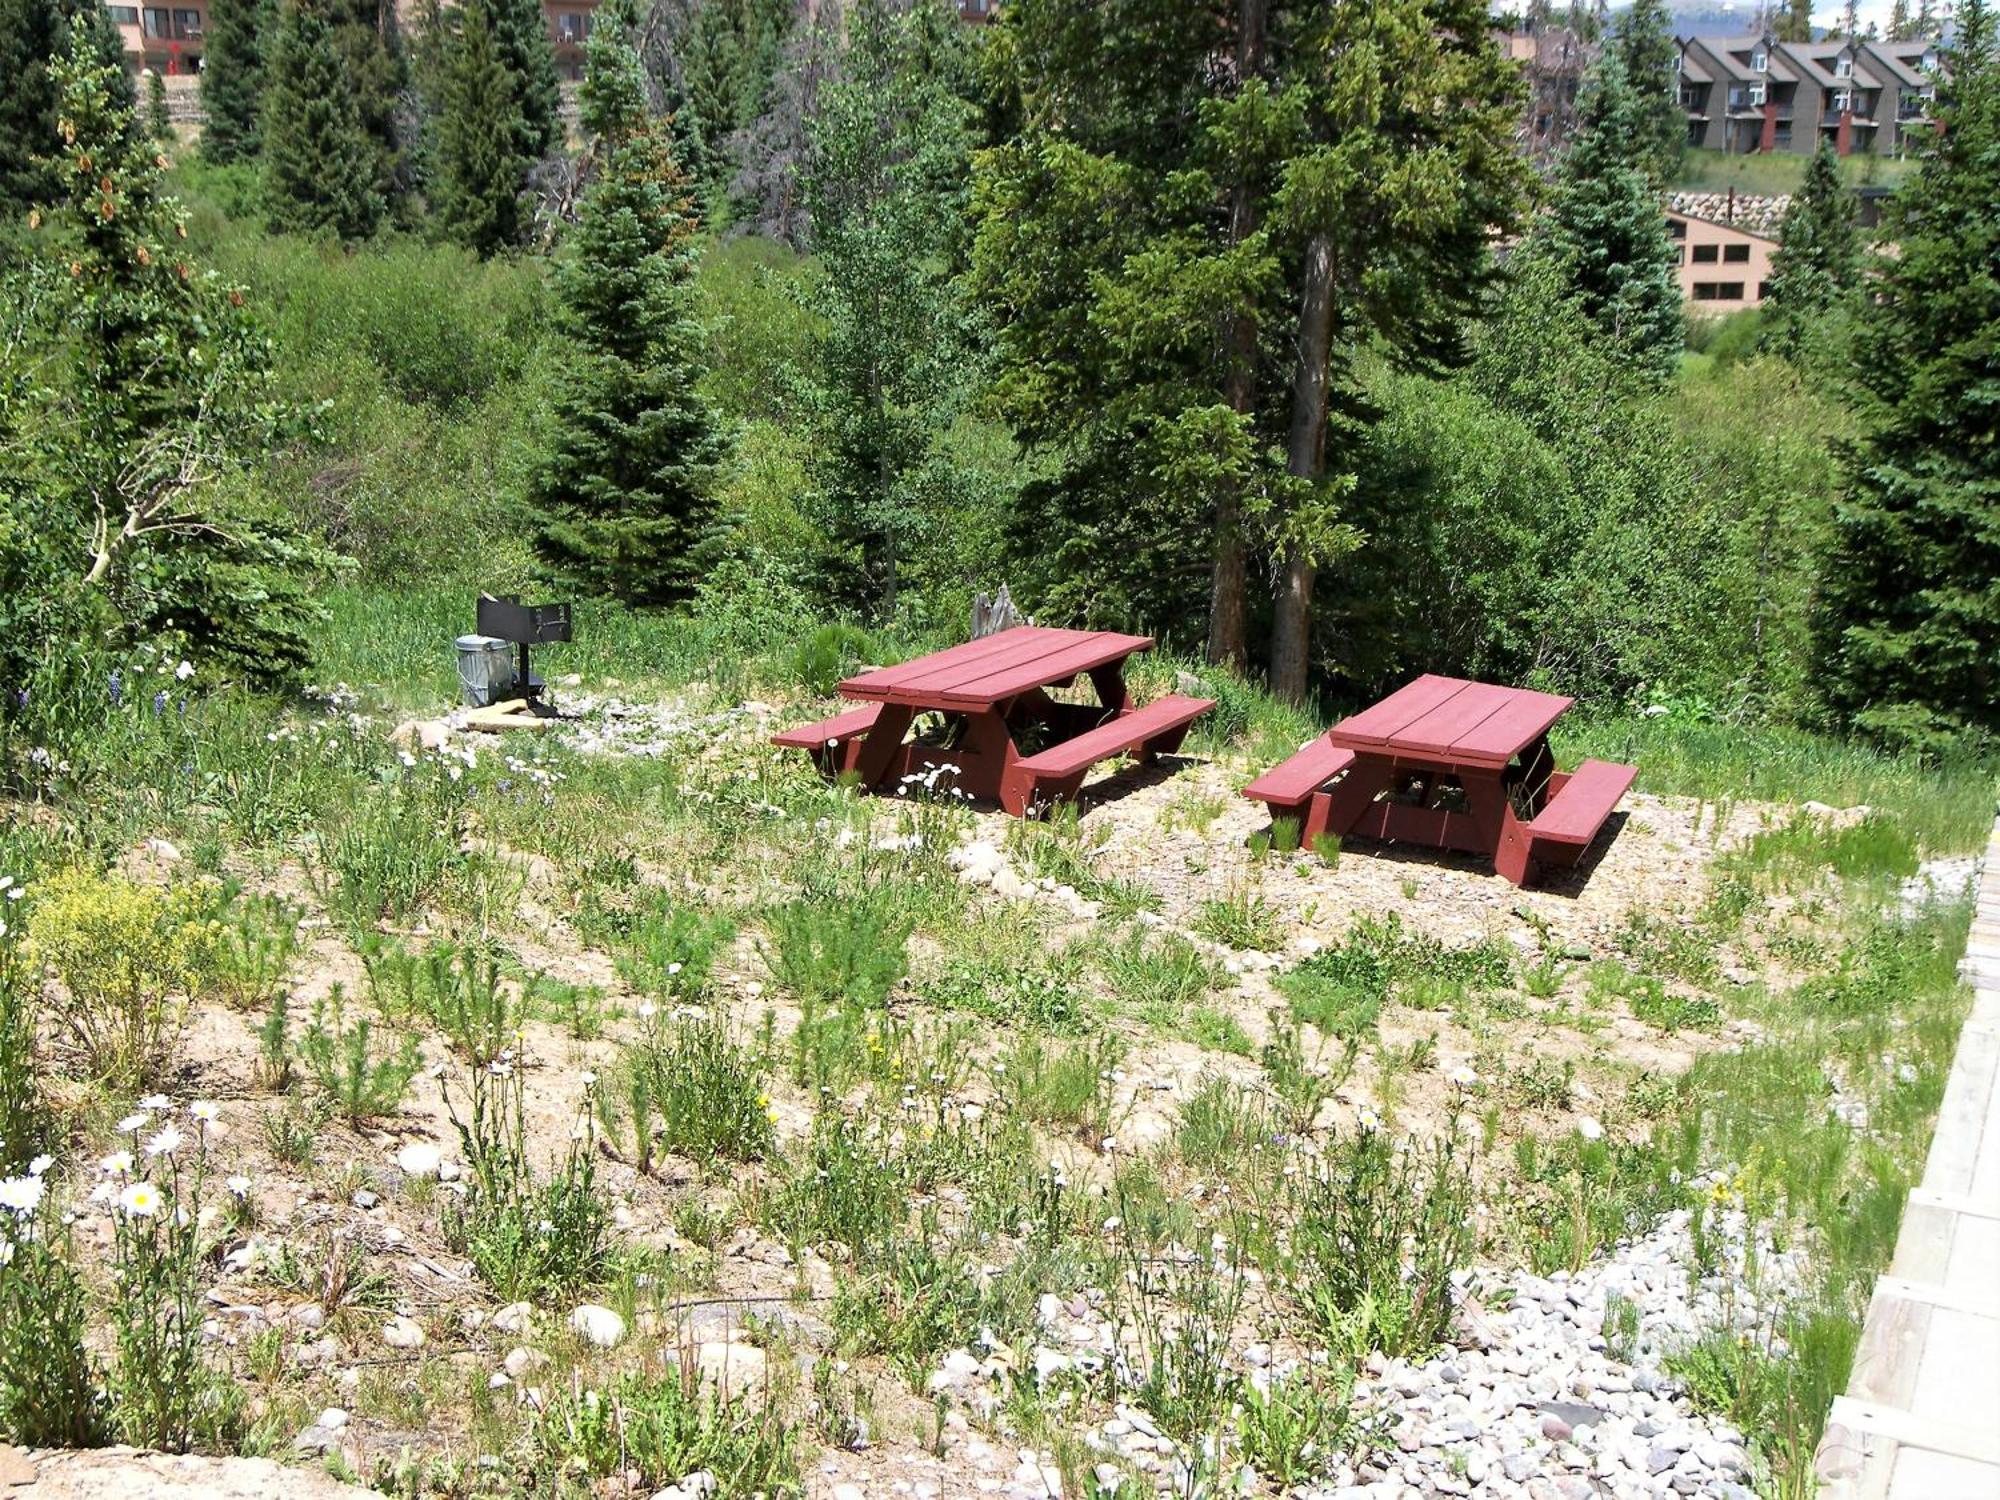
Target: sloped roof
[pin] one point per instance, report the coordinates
(1899, 60)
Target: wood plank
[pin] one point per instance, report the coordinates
(825, 732)
(1457, 718)
(1297, 778)
(1524, 718)
(1126, 732)
(1096, 649)
(1963, 1439)
(1584, 804)
(884, 680)
(1378, 725)
(924, 689)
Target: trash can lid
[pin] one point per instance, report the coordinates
(478, 642)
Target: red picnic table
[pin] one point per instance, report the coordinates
(1450, 764)
(1000, 730)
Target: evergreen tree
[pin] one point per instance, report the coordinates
(627, 492)
(232, 77)
(522, 35)
(1899, 21)
(1210, 209)
(1818, 263)
(1914, 600)
(1606, 225)
(368, 45)
(319, 164)
(885, 184)
(34, 33)
(767, 156)
(162, 397)
(482, 160)
(1796, 24)
(158, 125)
(1646, 47)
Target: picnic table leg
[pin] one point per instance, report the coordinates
(1348, 802)
(1487, 806)
(1111, 690)
(876, 754)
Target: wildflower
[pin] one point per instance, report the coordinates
(1588, 1128)
(648, 1010)
(140, 1201)
(168, 1140)
(184, 671)
(589, 1078)
(1462, 1077)
(118, 1163)
(153, 1101)
(239, 1186)
(40, 1164)
(1369, 1119)
(134, 1122)
(207, 1111)
(21, 1194)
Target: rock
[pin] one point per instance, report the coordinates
(521, 1363)
(128, 1474)
(403, 1333)
(731, 1366)
(514, 1317)
(1555, 1429)
(420, 1159)
(365, 1199)
(597, 1326)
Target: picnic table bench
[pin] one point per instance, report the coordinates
(1450, 764)
(1002, 734)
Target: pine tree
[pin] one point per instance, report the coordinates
(1899, 21)
(1914, 596)
(1606, 226)
(628, 492)
(158, 124)
(522, 36)
(1818, 263)
(767, 155)
(482, 163)
(1209, 211)
(319, 165)
(232, 77)
(368, 45)
(34, 33)
(1797, 23)
(163, 395)
(885, 181)
(1646, 47)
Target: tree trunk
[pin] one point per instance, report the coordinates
(1227, 631)
(1291, 630)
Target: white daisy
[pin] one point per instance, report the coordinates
(168, 1140)
(140, 1201)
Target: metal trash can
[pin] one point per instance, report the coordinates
(485, 669)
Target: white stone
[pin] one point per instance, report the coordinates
(403, 1333)
(597, 1326)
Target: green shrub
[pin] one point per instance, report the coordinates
(1159, 976)
(1380, 1228)
(664, 1425)
(704, 1092)
(835, 950)
(359, 1078)
(529, 1237)
(845, 1186)
(50, 1394)
(829, 654)
(128, 958)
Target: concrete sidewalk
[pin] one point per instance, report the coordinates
(1921, 1417)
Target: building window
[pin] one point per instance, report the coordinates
(1760, 62)
(159, 23)
(1677, 228)
(1763, 290)
(187, 25)
(1680, 255)
(1735, 253)
(573, 26)
(123, 15)
(1718, 291)
(1843, 67)
(1704, 254)
(1843, 101)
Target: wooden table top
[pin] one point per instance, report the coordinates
(1450, 719)
(988, 671)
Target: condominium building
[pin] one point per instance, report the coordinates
(1746, 94)
(165, 38)
(1722, 268)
